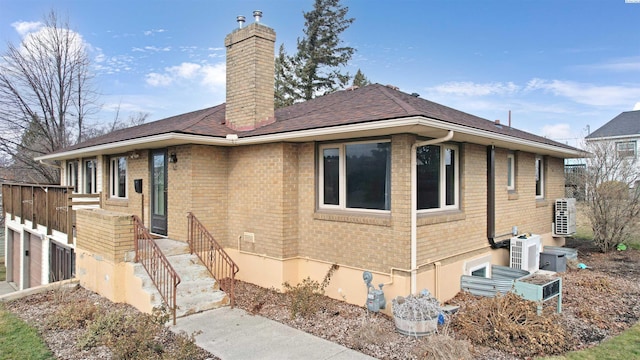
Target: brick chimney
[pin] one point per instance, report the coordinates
(250, 75)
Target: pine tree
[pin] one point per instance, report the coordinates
(360, 80)
(315, 69)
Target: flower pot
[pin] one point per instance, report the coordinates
(416, 327)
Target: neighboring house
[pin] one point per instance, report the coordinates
(623, 130)
(369, 179)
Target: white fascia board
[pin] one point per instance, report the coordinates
(613, 138)
(410, 124)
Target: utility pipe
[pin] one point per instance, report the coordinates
(414, 205)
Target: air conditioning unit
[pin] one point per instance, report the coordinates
(525, 253)
(565, 217)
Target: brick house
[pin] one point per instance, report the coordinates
(369, 179)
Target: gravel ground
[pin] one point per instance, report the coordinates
(598, 303)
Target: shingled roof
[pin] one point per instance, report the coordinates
(625, 124)
(368, 104)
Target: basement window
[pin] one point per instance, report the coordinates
(355, 175)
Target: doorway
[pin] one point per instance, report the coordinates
(158, 177)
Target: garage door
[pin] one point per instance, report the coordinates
(35, 260)
(15, 256)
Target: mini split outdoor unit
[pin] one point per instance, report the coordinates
(565, 217)
(525, 253)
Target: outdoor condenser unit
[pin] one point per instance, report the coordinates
(565, 217)
(525, 253)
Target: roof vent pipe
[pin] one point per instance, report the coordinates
(240, 19)
(257, 14)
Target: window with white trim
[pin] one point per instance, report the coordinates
(539, 177)
(626, 149)
(118, 177)
(90, 176)
(72, 174)
(437, 178)
(511, 172)
(355, 175)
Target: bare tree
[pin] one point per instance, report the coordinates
(45, 96)
(612, 193)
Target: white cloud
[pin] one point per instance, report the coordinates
(155, 79)
(212, 76)
(154, 31)
(151, 49)
(637, 107)
(25, 27)
(557, 131)
(215, 75)
(467, 88)
(618, 65)
(588, 94)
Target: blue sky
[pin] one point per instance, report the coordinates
(560, 66)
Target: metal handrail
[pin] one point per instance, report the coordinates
(162, 274)
(213, 256)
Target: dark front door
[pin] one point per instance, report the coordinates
(159, 192)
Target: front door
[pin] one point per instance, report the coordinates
(159, 192)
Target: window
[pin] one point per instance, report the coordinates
(355, 176)
(511, 172)
(539, 177)
(90, 171)
(437, 177)
(72, 174)
(626, 149)
(118, 177)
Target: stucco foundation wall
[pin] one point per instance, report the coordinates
(104, 245)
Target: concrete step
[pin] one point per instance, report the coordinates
(198, 291)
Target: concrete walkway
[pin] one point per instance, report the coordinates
(233, 334)
(6, 288)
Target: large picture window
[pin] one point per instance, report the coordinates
(118, 177)
(355, 176)
(437, 177)
(539, 177)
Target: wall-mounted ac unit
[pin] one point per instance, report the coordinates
(525, 253)
(565, 217)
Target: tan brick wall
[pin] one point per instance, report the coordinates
(104, 233)
(376, 242)
(250, 76)
(261, 179)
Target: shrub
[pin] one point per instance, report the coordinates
(305, 297)
(72, 315)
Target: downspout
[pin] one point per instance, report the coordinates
(491, 200)
(414, 205)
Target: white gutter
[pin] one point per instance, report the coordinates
(415, 123)
(414, 206)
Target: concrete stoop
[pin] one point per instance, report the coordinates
(197, 291)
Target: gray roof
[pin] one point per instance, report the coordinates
(625, 124)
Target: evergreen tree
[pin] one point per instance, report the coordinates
(360, 80)
(315, 70)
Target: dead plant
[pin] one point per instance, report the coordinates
(442, 347)
(510, 323)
